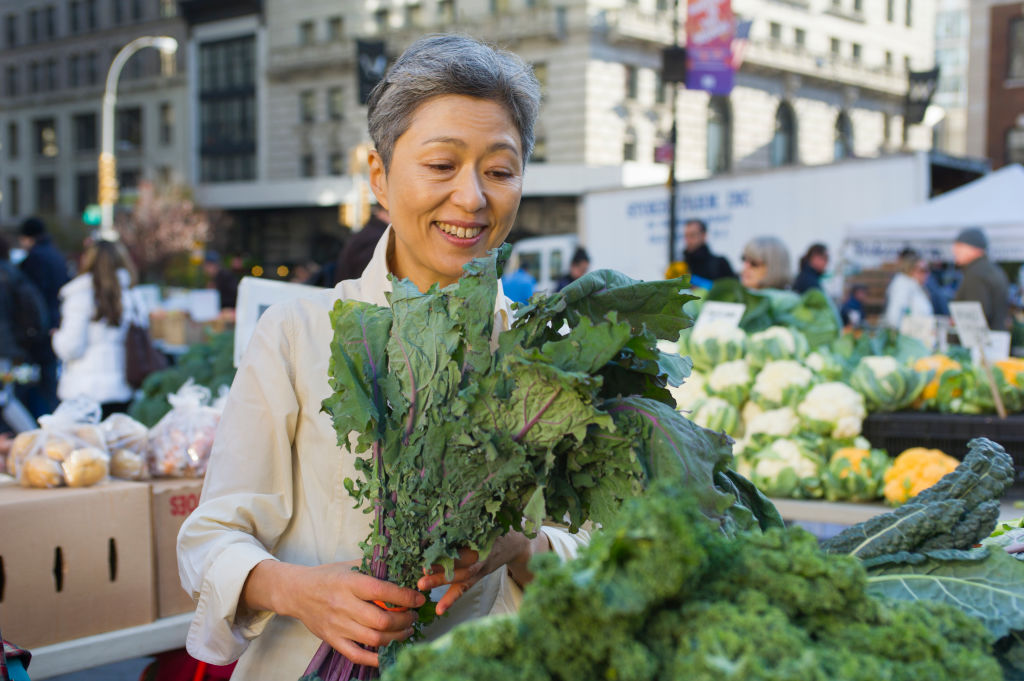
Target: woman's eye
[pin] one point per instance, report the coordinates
(440, 166)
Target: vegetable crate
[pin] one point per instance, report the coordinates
(898, 431)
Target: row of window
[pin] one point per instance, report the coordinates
(776, 35)
(309, 105)
(81, 70)
(128, 127)
(86, 190)
(43, 24)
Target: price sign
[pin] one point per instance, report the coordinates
(970, 322)
(724, 313)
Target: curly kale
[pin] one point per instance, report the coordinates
(661, 593)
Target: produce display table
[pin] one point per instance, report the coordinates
(844, 513)
(124, 644)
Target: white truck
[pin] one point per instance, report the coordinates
(627, 229)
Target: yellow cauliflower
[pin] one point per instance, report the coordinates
(914, 471)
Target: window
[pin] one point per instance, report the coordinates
(13, 141)
(46, 194)
(128, 179)
(858, 6)
(307, 165)
(413, 15)
(307, 33)
(11, 29)
(116, 13)
(906, 64)
(631, 82)
(166, 123)
(890, 10)
(74, 18)
(540, 149)
(499, 7)
(14, 196)
(11, 85)
(335, 28)
(168, 8)
(34, 26)
(775, 31)
(336, 163)
(335, 103)
(662, 5)
(74, 68)
(857, 51)
(380, 20)
(659, 88)
(84, 127)
(51, 74)
(446, 10)
(86, 191)
(90, 15)
(1016, 58)
(629, 145)
(307, 106)
(128, 129)
(908, 19)
(540, 72)
(843, 146)
(92, 69)
(35, 77)
(227, 110)
(136, 9)
(888, 60)
(800, 38)
(833, 46)
(1015, 145)
(719, 135)
(783, 145)
(50, 22)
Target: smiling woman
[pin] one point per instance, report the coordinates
(271, 551)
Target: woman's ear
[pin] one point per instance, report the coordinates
(378, 178)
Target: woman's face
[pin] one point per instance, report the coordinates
(453, 189)
(752, 274)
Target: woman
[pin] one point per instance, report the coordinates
(812, 267)
(765, 264)
(906, 295)
(270, 552)
(96, 309)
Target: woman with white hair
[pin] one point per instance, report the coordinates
(765, 264)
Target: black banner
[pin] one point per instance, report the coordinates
(371, 65)
(673, 64)
(920, 89)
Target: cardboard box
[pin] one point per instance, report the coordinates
(172, 500)
(75, 562)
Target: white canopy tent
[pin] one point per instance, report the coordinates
(994, 202)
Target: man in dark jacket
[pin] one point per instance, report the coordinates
(356, 253)
(983, 280)
(47, 268)
(699, 258)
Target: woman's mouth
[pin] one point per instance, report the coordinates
(458, 231)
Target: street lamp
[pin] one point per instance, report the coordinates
(107, 172)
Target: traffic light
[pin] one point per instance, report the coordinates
(107, 180)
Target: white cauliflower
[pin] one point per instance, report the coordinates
(719, 329)
(833, 407)
(717, 414)
(690, 392)
(783, 454)
(729, 374)
(772, 382)
(815, 362)
(881, 365)
(780, 333)
(750, 411)
(668, 347)
(776, 422)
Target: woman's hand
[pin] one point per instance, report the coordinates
(513, 550)
(335, 603)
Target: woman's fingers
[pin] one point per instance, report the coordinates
(370, 589)
(453, 594)
(355, 652)
(438, 578)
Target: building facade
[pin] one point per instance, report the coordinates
(952, 31)
(54, 60)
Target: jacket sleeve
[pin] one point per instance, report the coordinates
(247, 498)
(71, 338)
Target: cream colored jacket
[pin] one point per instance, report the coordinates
(275, 490)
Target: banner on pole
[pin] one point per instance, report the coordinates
(371, 65)
(709, 33)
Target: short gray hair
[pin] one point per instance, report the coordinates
(451, 65)
(773, 254)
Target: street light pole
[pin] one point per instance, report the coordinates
(107, 170)
(672, 135)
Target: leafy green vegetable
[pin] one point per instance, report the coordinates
(660, 594)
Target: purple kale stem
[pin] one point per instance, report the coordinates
(373, 365)
(532, 422)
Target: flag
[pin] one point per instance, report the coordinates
(920, 88)
(739, 42)
(371, 65)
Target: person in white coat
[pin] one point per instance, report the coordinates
(906, 295)
(96, 309)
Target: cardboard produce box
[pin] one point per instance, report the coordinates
(75, 561)
(173, 500)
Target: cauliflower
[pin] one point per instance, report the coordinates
(824, 364)
(785, 468)
(716, 414)
(712, 344)
(886, 384)
(881, 365)
(730, 381)
(720, 330)
(690, 392)
(776, 422)
(776, 342)
(780, 383)
(833, 409)
(750, 411)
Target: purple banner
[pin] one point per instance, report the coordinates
(709, 34)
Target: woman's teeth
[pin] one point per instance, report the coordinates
(461, 232)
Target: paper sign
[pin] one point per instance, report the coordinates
(997, 348)
(203, 304)
(255, 295)
(971, 325)
(728, 314)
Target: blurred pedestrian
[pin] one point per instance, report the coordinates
(97, 307)
(852, 311)
(222, 279)
(578, 266)
(766, 264)
(906, 294)
(519, 285)
(358, 250)
(700, 260)
(47, 268)
(15, 416)
(983, 281)
(812, 266)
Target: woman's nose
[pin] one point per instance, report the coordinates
(468, 193)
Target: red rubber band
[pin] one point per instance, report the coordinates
(390, 608)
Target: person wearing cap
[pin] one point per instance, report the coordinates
(983, 280)
(47, 268)
(222, 279)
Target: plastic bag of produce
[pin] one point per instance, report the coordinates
(127, 441)
(179, 445)
(68, 448)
